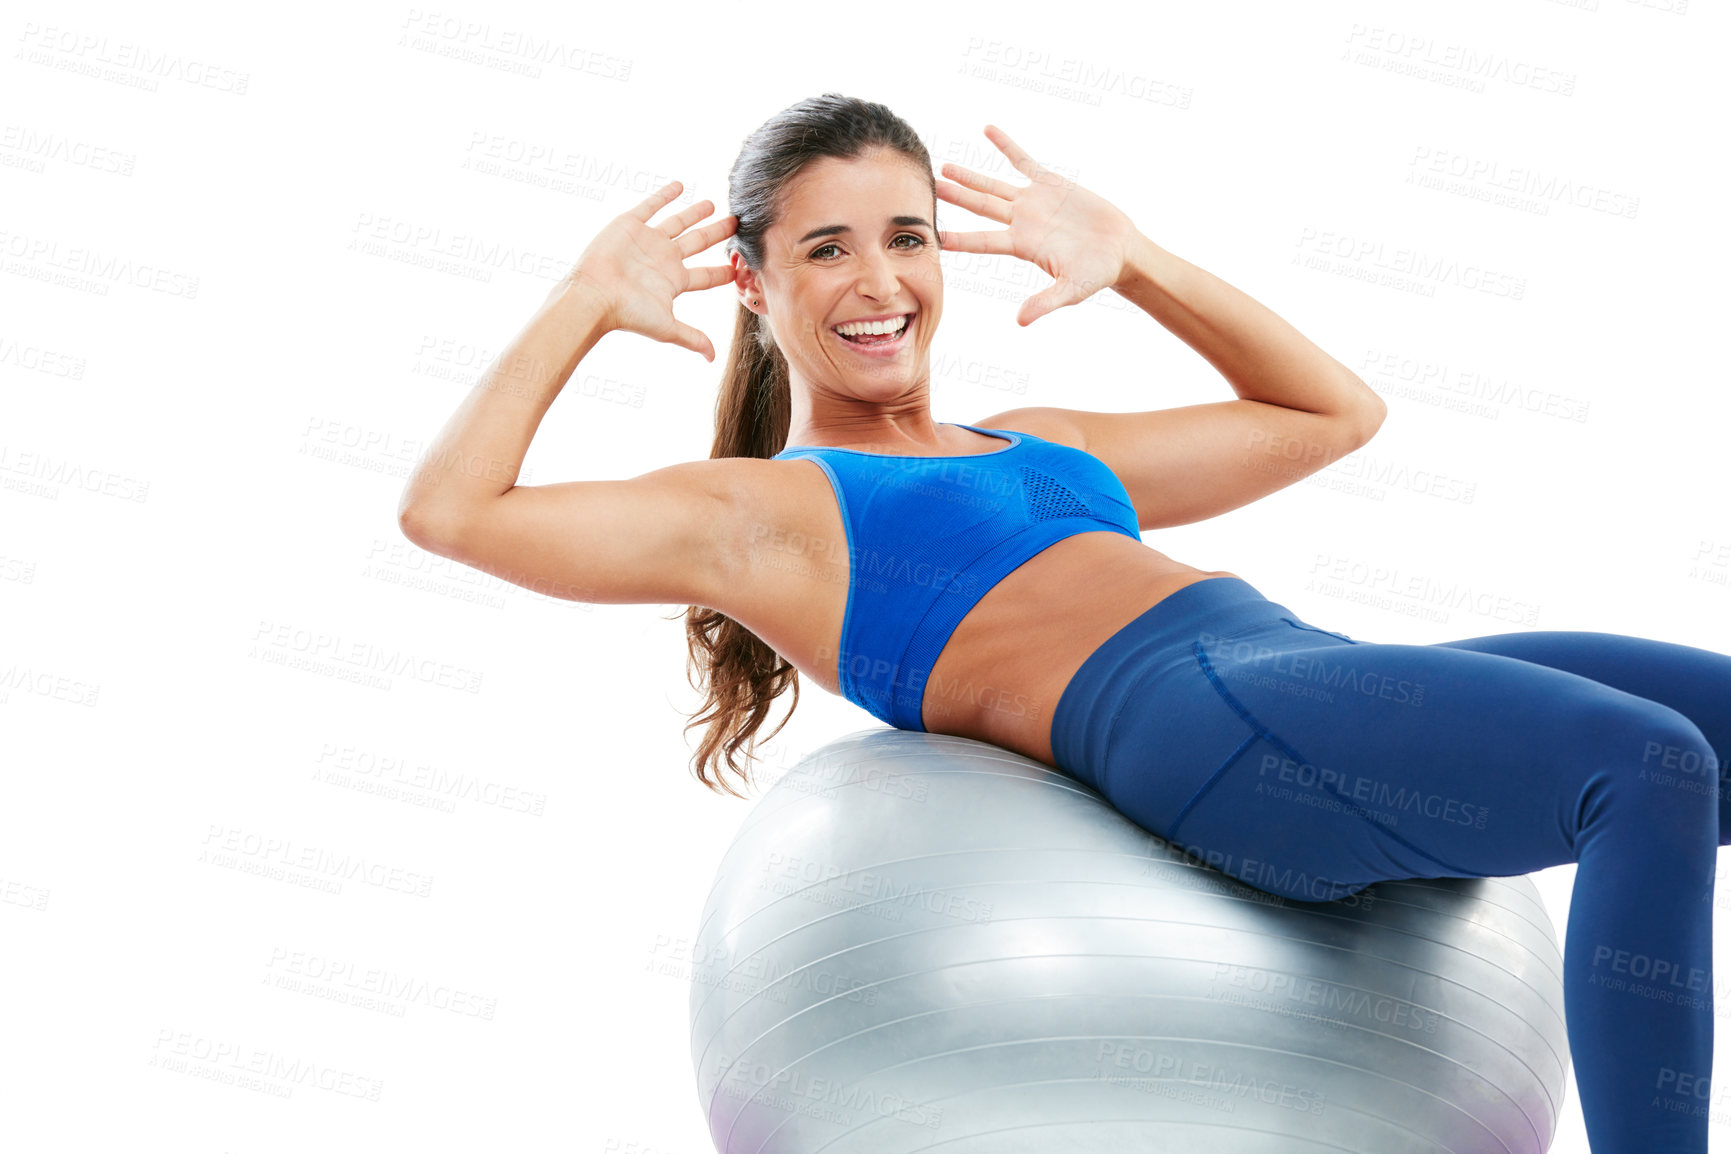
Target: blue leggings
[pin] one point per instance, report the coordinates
(1219, 720)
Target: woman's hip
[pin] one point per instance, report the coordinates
(1224, 718)
(1157, 645)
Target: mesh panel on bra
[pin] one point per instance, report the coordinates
(1048, 497)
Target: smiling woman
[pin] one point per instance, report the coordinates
(856, 297)
(989, 580)
(836, 262)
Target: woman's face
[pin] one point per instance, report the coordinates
(856, 240)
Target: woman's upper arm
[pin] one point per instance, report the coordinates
(1192, 462)
(653, 539)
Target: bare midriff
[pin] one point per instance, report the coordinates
(1003, 670)
(1000, 675)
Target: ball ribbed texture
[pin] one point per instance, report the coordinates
(923, 942)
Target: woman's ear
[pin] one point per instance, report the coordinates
(745, 282)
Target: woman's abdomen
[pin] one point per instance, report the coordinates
(1003, 670)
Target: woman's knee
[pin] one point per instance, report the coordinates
(1654, 738)
(1652, 758)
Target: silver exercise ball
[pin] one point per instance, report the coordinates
(924, 942)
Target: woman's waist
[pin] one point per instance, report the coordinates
(1155, 643)
(1006, 666)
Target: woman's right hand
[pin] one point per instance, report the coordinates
(637, 268)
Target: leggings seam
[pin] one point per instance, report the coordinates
(1201, 790)
(1256, 731)
(1262, 731)
(1315, 629)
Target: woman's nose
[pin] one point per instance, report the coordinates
(878, 280)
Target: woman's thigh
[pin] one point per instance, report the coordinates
(1695, 682)
(1310, 764)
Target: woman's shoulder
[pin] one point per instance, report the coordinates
(1046, 423)
(753, 491)
(734, 478)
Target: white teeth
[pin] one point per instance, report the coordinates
(862, 328)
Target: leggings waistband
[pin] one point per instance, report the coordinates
(1161, 635)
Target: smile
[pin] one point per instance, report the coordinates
(877, 338)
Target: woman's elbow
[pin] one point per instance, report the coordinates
(1369, 417)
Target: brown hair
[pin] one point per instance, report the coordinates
(743, 674)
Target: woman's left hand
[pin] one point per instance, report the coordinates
(1074, 235)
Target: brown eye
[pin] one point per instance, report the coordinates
(817, 253)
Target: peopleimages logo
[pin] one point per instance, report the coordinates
(870, 563)
(872, 888)
(1356, 787)
(1264, 660)
(796, 1091)
(870, 568)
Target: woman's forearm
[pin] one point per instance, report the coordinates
(479, 453)
(1261, 356)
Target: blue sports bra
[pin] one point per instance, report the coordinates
(927, 537)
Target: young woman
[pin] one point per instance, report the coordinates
(990, 580)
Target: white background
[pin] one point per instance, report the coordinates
(253, 258)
